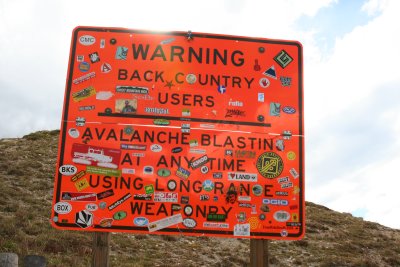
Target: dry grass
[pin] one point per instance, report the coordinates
(27, 166)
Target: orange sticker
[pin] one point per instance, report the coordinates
(182, 133)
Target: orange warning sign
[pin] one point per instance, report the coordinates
(181, 133)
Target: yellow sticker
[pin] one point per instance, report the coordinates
(82, 184)
(83, 94)
(291, 155)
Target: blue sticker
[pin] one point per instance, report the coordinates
(274, 109)
(121, 53)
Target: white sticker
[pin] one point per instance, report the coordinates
(62, 207)
(68, 170)
(165, 222)
(241, 229)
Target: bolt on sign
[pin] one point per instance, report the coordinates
(181, 133)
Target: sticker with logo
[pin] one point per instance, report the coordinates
(269, 165)
(156, 148)
(148, 170)
(234, 113)
(188, 210)
(126, 106)
(189, 223)
(82, 184)
(105, 194)
(85, 77)
(191, 78)
(140, 221)
(131, 89)
(214, 217)
(254, 223)
(261, 97)
(294, 173)
(281, 216)
(257, 190)
(83, 94)
(120, 215)
(271, 72)
(74, 196)
(291, 155)
(84, 66)
(73, 132)
(163, 172)
(84, 219)
(87, 40)
(274, 109)
(91, 207)
(280, 144)
(165, 197)
(121, 53)
(199, 162)
(171, 185)
(62, 207)
(208, 185)
(182, 173)
(94, 57)
(285, 81)
(149, 189)
(264, 82)
(241, 229)
(283, 59)
(241, 176)
(67, 170)
(78, 176)
(165, 222)
(162, 122)
(106, 222)
(289, 110)
(105, 68)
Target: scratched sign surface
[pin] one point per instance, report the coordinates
(181, 133)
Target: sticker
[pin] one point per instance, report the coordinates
(103, 171)
(241, 229)
(156, 148)
(182, 173)
(94, 57)
(254, 223)
(285, 81)
(105, 194)
(161, 122)
(104, 95)
(221, 89)
(275, 201)
(283, 59)
(189, 223)
(84, 78)
(67, 170)
(261, 97)
(208, 185)
(91, 207)
(241, 176)
(62, 207)
(78, 176)
(163, 172)
(80, 58)
(167, 41)
(132, 89)
(119, 201)
(149, 189)
(106, 222)
(121, 53)
(148, 170)
(165, 197)
(74, 196)
(257, 190)
(84, 66)
(291, 155)
(294, 173)
(94, 155)
(191, 79)
(289, 110)
(165, 222)
(171, 185)
(120, 215)
(199, 162)
(105, 68)
(141, 221)
(269, 165)
(264, 82)
(281, 216)
(280, 145)
(274, 109)
(102, 43)
(271, 72)
(188, 210)
(204, 169)
(87, 40)
(176, 150)
(126, 106)
(84, 219)
(82, 184)
(83, 94)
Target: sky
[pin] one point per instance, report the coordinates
(351, 80)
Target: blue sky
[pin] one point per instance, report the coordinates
(352, 82)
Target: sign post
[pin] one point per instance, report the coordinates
(182, 133)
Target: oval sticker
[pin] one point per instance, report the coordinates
(120, 215)
(141, 221)
(281, 216)
(189, 223)
(289, 110)
(62, 207)
(163, 172)
(87, 40)
(68, 170)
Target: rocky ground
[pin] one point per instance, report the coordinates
(27, 167)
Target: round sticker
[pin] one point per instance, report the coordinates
(191, 78)
(188, 210)
(291, 155)
(269, 165)
(171, 185)
(74, 133)
(257, 190)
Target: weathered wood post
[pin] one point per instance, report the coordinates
(101, 249)
(258, 253)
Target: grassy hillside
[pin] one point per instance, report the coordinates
(27, 167)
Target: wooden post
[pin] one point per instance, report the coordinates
(258, 253)
(101, 249)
